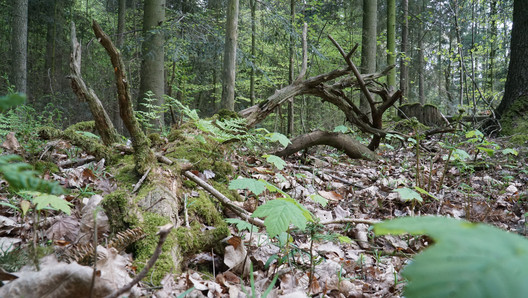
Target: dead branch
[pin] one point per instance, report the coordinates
(103, 124)
(224, 200)
(142, 153)
(350, 220)
(337, 140)
(163, 233)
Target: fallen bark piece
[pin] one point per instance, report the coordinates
(340, 141)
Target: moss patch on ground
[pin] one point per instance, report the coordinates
(515, 121)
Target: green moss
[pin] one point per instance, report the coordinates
(44, 166)
(83, 126)
(189, 184)
(124, 171)
(232, 194)
(116, 204)
(145, 247)
(515, 121)
(155, 139)
(226, 114)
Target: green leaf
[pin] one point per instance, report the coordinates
(425, 192)
(344, 239)
(408, 194)
(9, 205)
(510, 151)
(21, 176)
(87, 134)
(467, 259)
(25, 205)
(279, 215)
(241, 225)
(278, 137)
(318, 199)
(255, 186)
(341, 129)
(488, 151)
(278, 162)
(459, 154)
(46, 200)
(474, 134)
(11, 100)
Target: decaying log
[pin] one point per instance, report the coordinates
(144, 157)
(427, 114)
(103, 123)
(340, 141)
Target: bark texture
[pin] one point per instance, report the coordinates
(19, 39)
(368, 45)
(229, 70)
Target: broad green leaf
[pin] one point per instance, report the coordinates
(278, 137)
(466, 260)
(278, 162)
(341, 129)
(474, 134)
(21, 176)
(344, 239)
(510, 151)
(318, 199)
(241, 225)
(279, 215)
(9, 205)
(459, 154)
(488, 151)
(425, 192)
(52, 201)
(11, 100)
(408, 194)
(255, 186)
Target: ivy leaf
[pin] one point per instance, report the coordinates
(241, 225)
(466, 260)
(255, 186)
(278, 162)
(279, 214)
(278, 137)
(407, 194)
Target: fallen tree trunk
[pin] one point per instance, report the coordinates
(340, 141)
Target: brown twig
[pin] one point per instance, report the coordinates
(163, 233)
(350, 220)
(224, 200)
(140, 182)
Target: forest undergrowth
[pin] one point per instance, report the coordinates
(320, 243)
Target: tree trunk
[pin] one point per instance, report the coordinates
(421, 58)
(229, 70)
(404, 63)
(20, 34)
(493, 48)
(291, 71)
(152, 62)
(368, 48)
(514, 104)
(253, 4)
(121, 13)
(391, 41)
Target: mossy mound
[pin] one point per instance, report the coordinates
(515, 121)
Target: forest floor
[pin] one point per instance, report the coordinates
(345, 257)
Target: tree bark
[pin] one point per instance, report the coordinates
(20, 37)
(121, 13)
(291, 69)
(368, 47)
(340, 141)
(253, 4)
(404, 64)
(391, 41)
(229, 70)
(515, 100)
(152, 62)
(421, 58)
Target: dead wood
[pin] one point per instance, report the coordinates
(340, 141)
(103, 123)
(224, 200)
(334, 93)
(144, 157)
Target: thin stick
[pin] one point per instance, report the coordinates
(350, 220)
(224, 200)
(163, 233)
(140, 182)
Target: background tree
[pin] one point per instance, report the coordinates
(20, 36)
(230, 50)
(368, 44)
(152, 63)
(391, 41)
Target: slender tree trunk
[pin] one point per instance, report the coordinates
(152, 63)
(229, 70)
(121, 13)
(391, 41)
(493, 48)
(291, 69)
(20, 34)
(253, 4)
(368, 49)
(421, 58)
(404, 65)
(460, 57)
